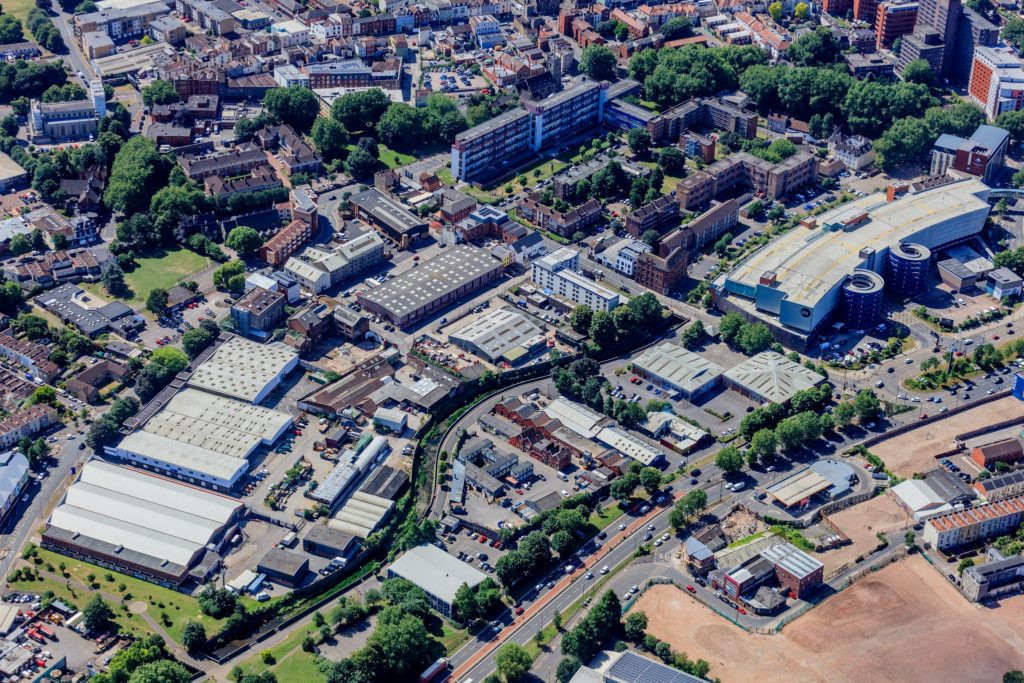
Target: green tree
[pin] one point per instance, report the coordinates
(568, 667)
(112, 277)
(134, 176)
(360, 163)
(400, 127)
(762, 446)
(775, 11)
(639, 141)
(598, 62)
(802, 11)
(244, 240)
(1013, 121)
(650, 479)
(964, 565)
(10, 29)
(729, 460)
(193, 636)
(160, 671)
(905, 142)
(296, 106)
(160, 92)
(329, 138)
(513, 663)
(97, 614)
(360, 111)
(1015, 676)
(692, 335)
(867, 405)
(156, 301)
(635, 627)
(580, 319)
(843, 414)
(677, 27)
(194, 341)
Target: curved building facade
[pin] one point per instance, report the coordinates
(862, 298)
(908, 268)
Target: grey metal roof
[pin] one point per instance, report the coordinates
(792, 559)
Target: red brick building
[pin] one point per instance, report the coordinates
(1005, 450)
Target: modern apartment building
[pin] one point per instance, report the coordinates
(894, 20)
(557, 273)
(491, 148)
(495, 146)
(120, 23)
(981, 155)
(652, 216)
(258, 312)
(934, 36)
(962, 528)
(773, 180)
(544, 217)
(997, 80)
(286, 242)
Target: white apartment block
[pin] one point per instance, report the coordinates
(557, 275)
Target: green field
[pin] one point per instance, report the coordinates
(164, 271)
(291, 662)
(178, 607)
(20, 9)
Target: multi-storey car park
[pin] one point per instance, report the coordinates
(794, 283)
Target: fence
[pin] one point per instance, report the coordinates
(910, 426)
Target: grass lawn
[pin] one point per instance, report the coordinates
(668, 183)
(20, 9)
(452, 638)
(445, 174)
(291, 662)
(178, 607)
(608, 515)
(163, 271)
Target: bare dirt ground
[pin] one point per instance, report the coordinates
(903, 623)
(915, 450)
(861, 523)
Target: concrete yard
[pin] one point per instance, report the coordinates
(915, 450)
(904, 623)
(861, 522)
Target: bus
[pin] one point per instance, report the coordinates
(435, 671)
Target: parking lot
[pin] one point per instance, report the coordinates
(448, 80)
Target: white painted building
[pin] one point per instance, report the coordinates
(557, 274)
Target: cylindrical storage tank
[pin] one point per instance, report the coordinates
(862, 299)
(908, 269)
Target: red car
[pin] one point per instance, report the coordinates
(519, 610)
(298, 432)
(519, 491)
(483, 539)
(741, 610)
(497, 545)
(691, 589)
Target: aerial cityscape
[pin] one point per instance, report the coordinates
(511, 341)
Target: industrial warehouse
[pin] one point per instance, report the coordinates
(447, 277)
(500, 335)
(202, 438)
(795, 283)
(142, 524)
(245, 370)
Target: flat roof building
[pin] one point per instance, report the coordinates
(557, 274)
(395, 222)
(202, 438)
(439, 574)
(499, 334)
(770, 377)
(794, 282)
(146, 525)
(283, 566)
(245, 370)
(682, 372)
(631, 446)
(434, 284)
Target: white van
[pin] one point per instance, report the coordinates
(563, 476)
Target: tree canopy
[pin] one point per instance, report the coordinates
(296, 106)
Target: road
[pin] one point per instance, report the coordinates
(476, 659)
(26, 517)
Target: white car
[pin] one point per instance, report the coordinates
(604, 569)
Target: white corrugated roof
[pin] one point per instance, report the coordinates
(242, 368)
(146, 514)
(183, 456)
(436, 572)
